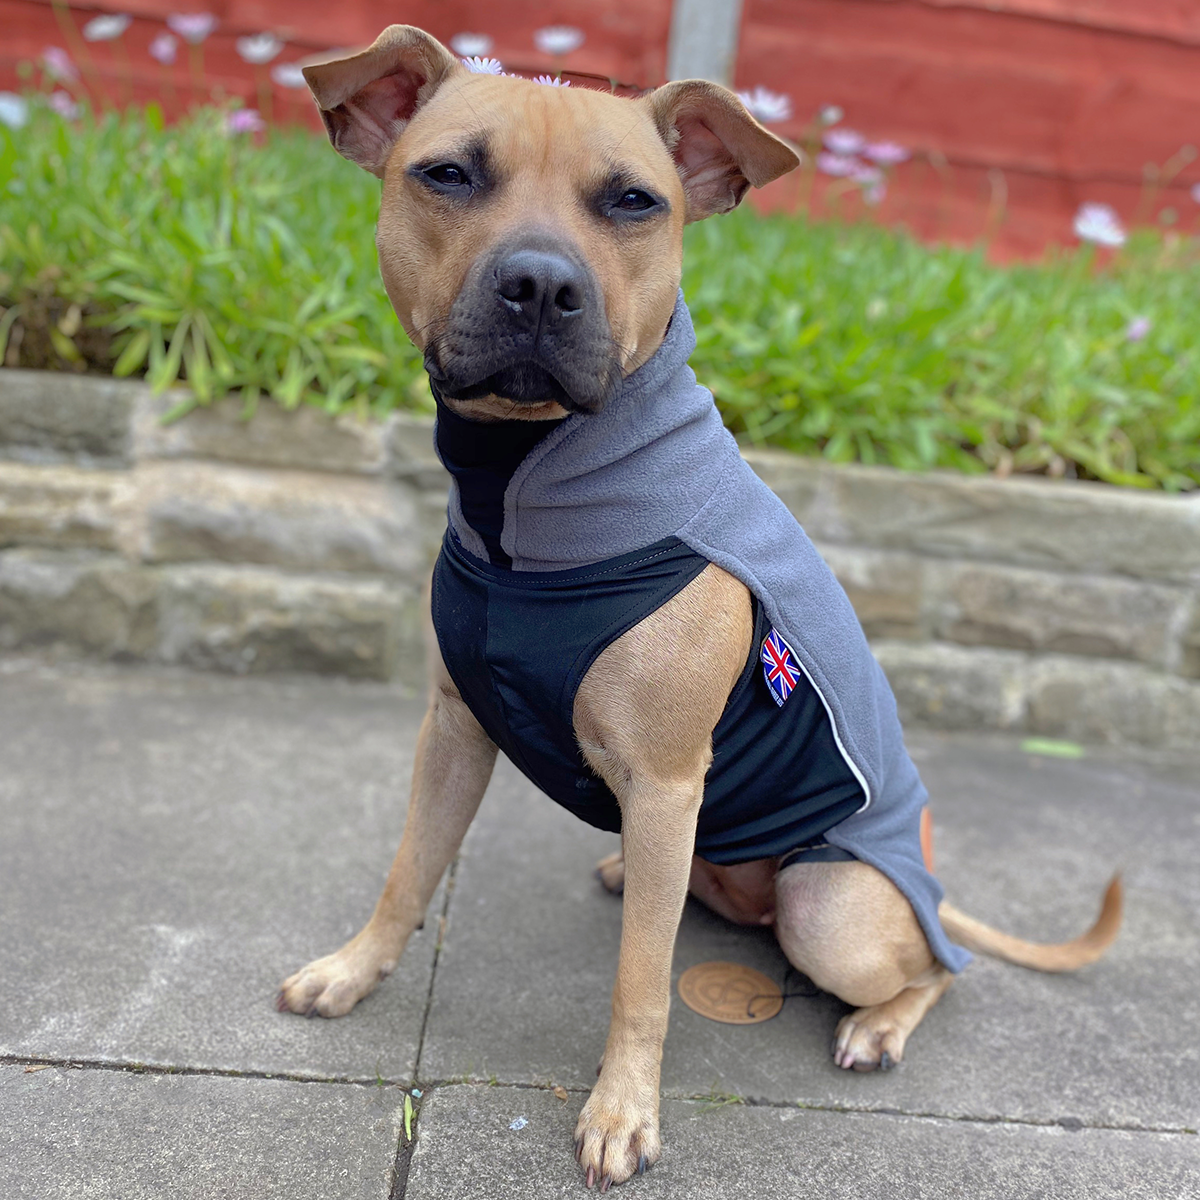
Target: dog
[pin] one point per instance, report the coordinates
(619, 604)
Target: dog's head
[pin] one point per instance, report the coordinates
(530, 237)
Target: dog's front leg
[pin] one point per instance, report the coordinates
(617, 1133)
(453, 765)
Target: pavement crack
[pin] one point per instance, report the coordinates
(404, 1151)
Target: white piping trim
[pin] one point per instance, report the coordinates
(866, 787)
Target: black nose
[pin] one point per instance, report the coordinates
(541, 287)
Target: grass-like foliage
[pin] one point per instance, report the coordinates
(187, 253)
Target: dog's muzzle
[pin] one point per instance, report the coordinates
(529, 326)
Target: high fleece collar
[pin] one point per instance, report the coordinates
(608, 483)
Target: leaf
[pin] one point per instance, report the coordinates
(1052, 748)
(408, 1117)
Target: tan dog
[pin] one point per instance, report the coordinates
(480, 173)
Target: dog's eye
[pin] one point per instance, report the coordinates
(635, 200)
(446, 175)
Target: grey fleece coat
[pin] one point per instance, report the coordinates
(658, 462)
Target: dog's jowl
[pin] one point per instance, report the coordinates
(620, 604)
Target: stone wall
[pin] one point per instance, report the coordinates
(297, 541)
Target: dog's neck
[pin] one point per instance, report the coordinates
(592, 486)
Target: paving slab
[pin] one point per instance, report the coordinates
(1024, 842)
(67, 1134)
(175, 845)
(466, 1148)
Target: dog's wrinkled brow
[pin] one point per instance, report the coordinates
(472, 154)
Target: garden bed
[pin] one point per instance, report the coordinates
(190, 253)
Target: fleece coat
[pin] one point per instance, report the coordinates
(657, 462)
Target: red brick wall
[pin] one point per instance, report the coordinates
(1019, 109)
(1039, 104)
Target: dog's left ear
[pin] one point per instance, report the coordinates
(367, 99)
(719, 148)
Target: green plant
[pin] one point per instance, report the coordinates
(187, 253)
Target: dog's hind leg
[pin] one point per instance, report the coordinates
(851, 931)
(454, 762)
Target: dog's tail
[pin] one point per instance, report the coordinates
(1064, 956)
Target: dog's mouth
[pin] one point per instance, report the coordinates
(522, 383)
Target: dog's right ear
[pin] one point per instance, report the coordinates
(366, 100)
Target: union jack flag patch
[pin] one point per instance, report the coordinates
(780, 669)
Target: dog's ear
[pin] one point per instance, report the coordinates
(368, 98)
(718, 147)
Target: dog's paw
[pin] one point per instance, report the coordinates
(333, 985)
(615, 1139)
(611, 872)
(868, 1040)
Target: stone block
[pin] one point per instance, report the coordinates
(77, 600)
(299, 520)
(1190, 643)
(58, 506)
(884, 587)
(949, 687)
(305, 438)
(50, 416)
(1117, 703)
(1021, 609)
(254, 621)
(1060, 524)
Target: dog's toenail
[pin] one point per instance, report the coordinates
(591, 1178)
(642, 1165)
(606, 1183)
(885, 1061)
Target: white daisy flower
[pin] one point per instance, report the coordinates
(558, 39)
(838, 165)
(164, 48)
(192, 27)
(106, 27)
(767, 106)
(551, 81)
(58, 64)
(844, 141)
(886, 154)
(64, 104)
(830, 114)
(260, 48)
(483, 66)
(14, 110)
(471, 45)
(288, 75)
(1098, 223)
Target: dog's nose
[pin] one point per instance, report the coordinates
(540, 286)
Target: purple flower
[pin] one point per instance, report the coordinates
(58, 64)
(767, 106)
(551, 81)
(558, 39)
(107, 27)
(483, 66)
(838, 165)
(886, 154)
(865, 174)
(1196, 192)
(1098, 223)
(844, 141)
(192, 27)
(1137, 329)
(163, 48)
(244, 120)
(288, 75)
(471, 45)
(259, 48)
(64, 104)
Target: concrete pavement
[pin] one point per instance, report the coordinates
(172, 845)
